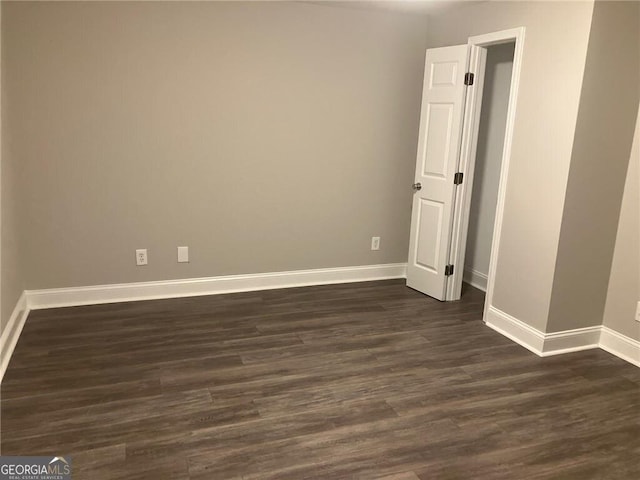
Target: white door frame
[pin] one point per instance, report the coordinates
(504, 36)
(466, 166)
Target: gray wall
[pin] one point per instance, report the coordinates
(11, 268)
(265, 136)
(624, 283)
(554, 55)
(493, 119)
(599, 161)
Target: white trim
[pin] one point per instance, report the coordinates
(556, 343)
(496, 38)
(127, 292)
(516, 330)
(518, 36)
(620, 345)
(475, 278)
(11, 332)
(466, 165)
(568, 341)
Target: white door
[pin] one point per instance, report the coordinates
(443, 98)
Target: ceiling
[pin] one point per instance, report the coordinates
(425, 7)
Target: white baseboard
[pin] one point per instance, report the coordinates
(556, 343)
(568, 341)
(190, 287)
(475, 279)
(516, 330)
(11, 332)
(620, 345)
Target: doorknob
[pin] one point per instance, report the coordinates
(417, 186)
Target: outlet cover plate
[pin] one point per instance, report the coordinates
(141, 256)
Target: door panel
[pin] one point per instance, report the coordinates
(439, 124)
(430, 216)
(441, 118)
(443, 74)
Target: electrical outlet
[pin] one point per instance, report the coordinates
(638, 312)
(183, 254)
(141, 256)
(375, 243)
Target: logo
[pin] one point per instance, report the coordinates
(35, 468)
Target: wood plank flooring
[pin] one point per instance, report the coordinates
(359, 381)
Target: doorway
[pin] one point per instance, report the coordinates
(452, 110)
(488, 161)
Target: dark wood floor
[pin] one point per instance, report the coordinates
(367, 381)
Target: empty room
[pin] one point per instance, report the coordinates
(386, 240)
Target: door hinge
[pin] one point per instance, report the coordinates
(457, 178)
(468, 78)
(448, 270)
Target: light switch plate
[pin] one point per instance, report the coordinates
(638, 312)
(183, 254)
